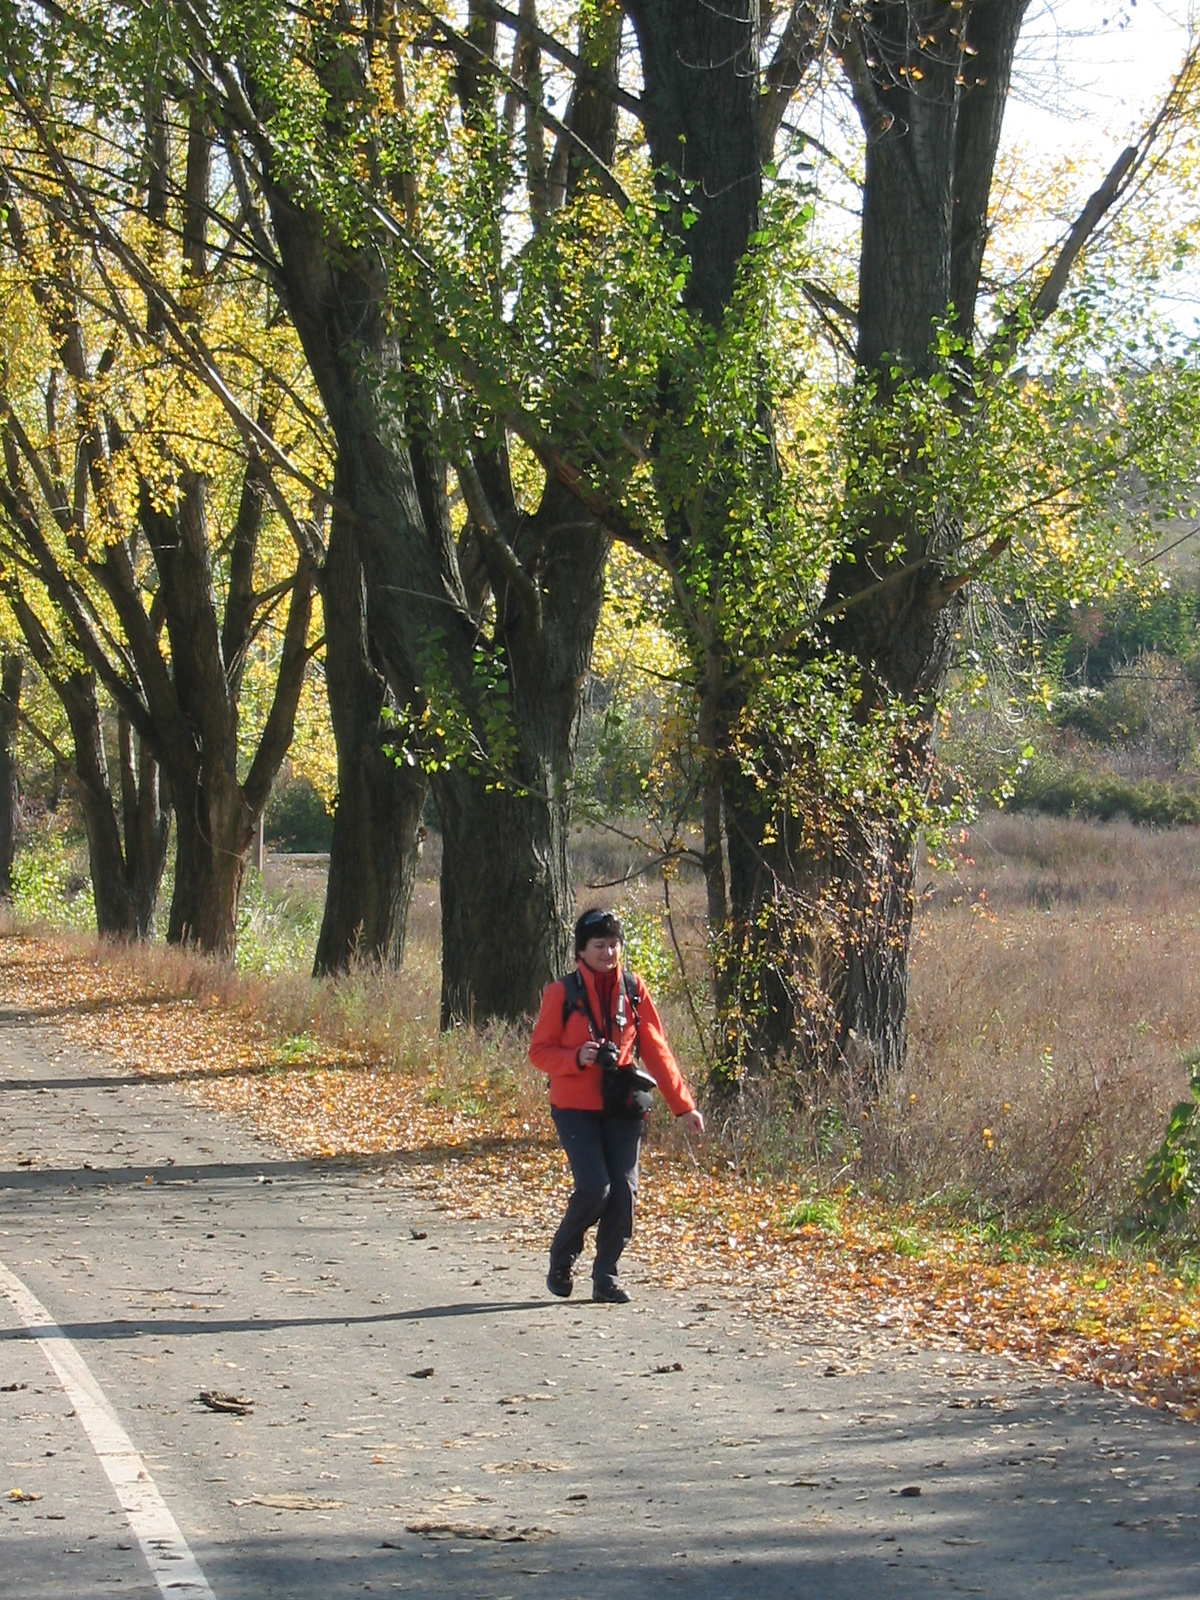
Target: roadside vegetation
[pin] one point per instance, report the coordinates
(416, 499)
(992, 1202)
(1055, 1024)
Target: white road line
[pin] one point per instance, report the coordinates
(175, 1568)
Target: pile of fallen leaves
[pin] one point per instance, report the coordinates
(868, 1270)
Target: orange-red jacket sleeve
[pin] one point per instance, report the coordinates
(546, 1048)
(659, 1059)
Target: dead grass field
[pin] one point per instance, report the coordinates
(1055, 1007)
(1055, 1013)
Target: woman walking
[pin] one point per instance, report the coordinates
(592, 1025)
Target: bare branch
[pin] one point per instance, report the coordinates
(1116, 185)
(499, 554)
(581, 70)
(804, 38)
(464, 48)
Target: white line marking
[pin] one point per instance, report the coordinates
(175, 1568)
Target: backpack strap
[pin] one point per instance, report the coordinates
(632, 985)
(575, 999)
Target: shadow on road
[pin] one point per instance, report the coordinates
(50, 1179)
(177, 1327)
(162, 1172)
(84, 1008)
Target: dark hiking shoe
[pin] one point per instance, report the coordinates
(610, 1294)
(559, 1283)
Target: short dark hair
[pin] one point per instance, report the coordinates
(596, 923)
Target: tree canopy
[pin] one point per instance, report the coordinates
(474, 292)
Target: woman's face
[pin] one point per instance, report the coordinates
(603, 953)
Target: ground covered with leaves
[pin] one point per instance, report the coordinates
(877, 1273)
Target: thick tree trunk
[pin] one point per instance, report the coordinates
(820, 901)
(504, 823)
(145, 824)
(703, 121)
(212, 840)
(10, 790)
(377, 828)
(505, 889)
(115, 911)
(507, 901)
(511, 693)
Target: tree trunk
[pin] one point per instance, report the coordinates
(145, 824)
(928, 178)
(115, 913)
(212, 840)
(815, 950)
(125, 874)
(506, 890)
(10, 792)
(377, 828)
(507, 900)
(505, 822)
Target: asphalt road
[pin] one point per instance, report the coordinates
(405, 1369)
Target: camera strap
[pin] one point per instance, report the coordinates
(576, 998)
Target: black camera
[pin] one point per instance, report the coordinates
(608, 1056)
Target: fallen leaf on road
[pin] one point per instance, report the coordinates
(238, 1405)
(422, 1372)
(288, 1502)
(23, 1495)
(502, 1534)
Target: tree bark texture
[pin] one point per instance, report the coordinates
(505, 850)
(126, 862)
(703, 122)
(194, 708)
(928, 177)
(11, 672)
(377, 829)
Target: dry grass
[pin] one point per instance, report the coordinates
(1055, 1004)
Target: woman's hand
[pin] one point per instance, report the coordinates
(693, 1121)
(586, 1054)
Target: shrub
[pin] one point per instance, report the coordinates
(276, 933)
(1065, 792)
(50, 883)
(296, 818)
(1170, 1182)
(646, 951)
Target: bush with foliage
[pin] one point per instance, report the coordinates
(50, 883)
(296, 818)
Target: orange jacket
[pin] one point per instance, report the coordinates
(554, 1049)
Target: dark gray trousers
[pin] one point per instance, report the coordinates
(603, 1152)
